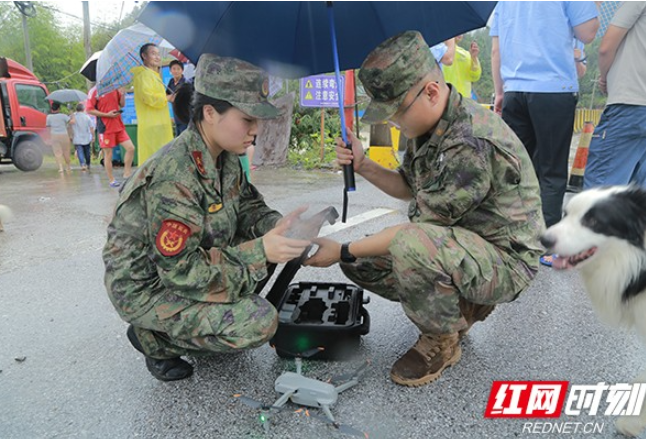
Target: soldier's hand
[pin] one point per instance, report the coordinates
(280, 249)
(345, 156)
(328, 253)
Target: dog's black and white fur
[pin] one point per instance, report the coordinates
(603, 236)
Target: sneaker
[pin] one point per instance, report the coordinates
(114, 184)
(473, 313)
(426, 361)
(162, 369)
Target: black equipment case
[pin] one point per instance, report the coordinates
(317, 314)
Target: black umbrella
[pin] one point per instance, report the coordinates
(88, 69)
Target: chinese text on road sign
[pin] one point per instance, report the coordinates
(320, 91)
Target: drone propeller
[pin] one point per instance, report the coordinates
(344, 429)
(356, 374)
(266, 411)
(255, 404)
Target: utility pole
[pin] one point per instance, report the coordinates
(26, 10)
(86, 35)
(25, 34)
(86, 30)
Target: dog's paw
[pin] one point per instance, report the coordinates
(630, 426)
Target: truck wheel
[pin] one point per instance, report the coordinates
(28, 155)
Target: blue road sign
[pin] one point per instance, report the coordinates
(319, 91)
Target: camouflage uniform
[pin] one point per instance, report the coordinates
(476, 209)
(184, 253)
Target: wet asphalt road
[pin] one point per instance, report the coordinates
(80, 378)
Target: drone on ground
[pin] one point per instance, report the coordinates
(308, 392)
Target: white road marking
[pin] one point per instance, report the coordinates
(353, 221)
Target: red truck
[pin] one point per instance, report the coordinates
(23, 113)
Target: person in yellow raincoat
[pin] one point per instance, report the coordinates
(153, 117)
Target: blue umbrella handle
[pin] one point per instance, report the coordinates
(348, 170)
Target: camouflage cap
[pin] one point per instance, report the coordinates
(389, 72)
(238, 82)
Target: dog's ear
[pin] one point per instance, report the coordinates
(633, 202)
(622, 214)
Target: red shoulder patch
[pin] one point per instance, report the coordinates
(199, 161)
(172, 237)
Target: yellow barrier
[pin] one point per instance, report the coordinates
(584, 115)
(386, 155)
(394, 137)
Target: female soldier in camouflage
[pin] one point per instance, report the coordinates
(191, 238)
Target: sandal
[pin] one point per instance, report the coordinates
(546, 260)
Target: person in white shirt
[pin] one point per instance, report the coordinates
(83, 136)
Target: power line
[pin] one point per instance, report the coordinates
(62, 80)
(51, 8)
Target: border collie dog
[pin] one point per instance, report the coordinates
(602, 235)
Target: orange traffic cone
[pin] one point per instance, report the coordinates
(575, 184)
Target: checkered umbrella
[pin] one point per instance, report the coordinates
(607, 10)
(122, 54)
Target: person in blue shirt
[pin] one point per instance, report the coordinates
(536, 84)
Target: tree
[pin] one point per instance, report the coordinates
(57, 50)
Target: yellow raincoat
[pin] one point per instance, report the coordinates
(153, 117)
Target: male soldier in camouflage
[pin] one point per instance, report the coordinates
(191, 239)
(475, 209)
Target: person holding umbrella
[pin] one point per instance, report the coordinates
(191, 238)
(154, 128)
(475, 208)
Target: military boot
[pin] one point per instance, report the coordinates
(427, 359)
(473, 313)
(162, 369)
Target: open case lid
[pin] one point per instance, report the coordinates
(307, 230)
